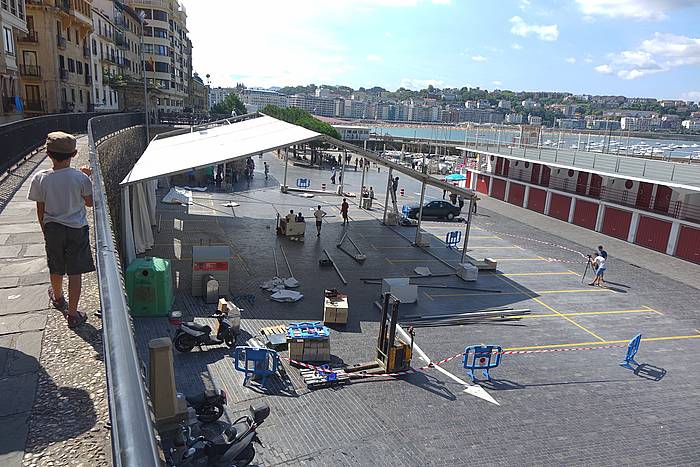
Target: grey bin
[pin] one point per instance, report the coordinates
(210, 286)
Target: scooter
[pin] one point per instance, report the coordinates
(190, 334)
(233, 447)
(209, 405)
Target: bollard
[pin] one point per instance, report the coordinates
(323, 186)
(402, 192)
(169, 410)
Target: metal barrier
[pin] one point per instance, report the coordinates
(632, 349)
(255, 361)
(18, 139)
(303, 182)
(453, 238)
(133, 435)
(481, 357)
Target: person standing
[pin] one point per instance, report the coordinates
(599, 265)
(394, 187)
(371, 194)
(61, 194)
(267, 171)
(333, 175)
(356, 162)
(460, 201)
(319, 214)
(344, 210)
(604, 254)
(453, 199)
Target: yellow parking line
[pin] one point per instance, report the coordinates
(585, 313)
(541, 292)
(389, 261)
(494, 248)
(651, 309)
(573, 272)
(622, 341)
(517, 274)
(429, 296)
(520, 259)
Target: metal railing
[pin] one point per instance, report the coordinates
(30, 36)
(30, 70)
(133, 435)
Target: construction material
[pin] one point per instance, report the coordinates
(359, 256)
(423, 271)
(211, 260)
(464, 318)
(335, 266)
(274, 257)
(468, 272)
(315, 379)
(291, 274)
(275, 336)
(401, 289)
(486, 264)
(309, 342)
(408, 277)
(428, 286)
(286, 296)
(335, 307)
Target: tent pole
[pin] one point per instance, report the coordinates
(386, 198)
(420, 212)
(286, 163)
(468, 228)
(342, 172)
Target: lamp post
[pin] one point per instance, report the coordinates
(142, 15)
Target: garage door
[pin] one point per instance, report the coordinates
(498, 190)
(688, 246)
(653, 233)
(469, 179)
(585, 214)
(482, 184)
(559, 207)
(536, 200)
(516, 194)
(616, 222)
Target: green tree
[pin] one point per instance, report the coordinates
(302, 118)
(231, 103)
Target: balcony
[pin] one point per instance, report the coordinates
(88, 79)
(63, 5)
(61, 42)
(33, 106)
(120, 40)
(30, 70)
(86, 52)
(64, 74)
(30, 37)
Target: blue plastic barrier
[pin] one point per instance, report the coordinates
(256, 361)
(405, 210)
(632, 349)
(303, 182)
(453, 238)
(481, 357)
(308, 330)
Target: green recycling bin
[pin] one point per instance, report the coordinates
(149, 287)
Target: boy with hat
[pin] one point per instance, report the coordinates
(61, 194)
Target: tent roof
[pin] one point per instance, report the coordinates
(217, 145)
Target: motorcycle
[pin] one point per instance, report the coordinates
(209, 405)
(233, 447)
(190, 334)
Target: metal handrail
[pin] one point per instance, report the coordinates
(133, 435)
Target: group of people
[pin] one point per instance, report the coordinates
(599, 263)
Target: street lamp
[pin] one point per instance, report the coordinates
(142, 16)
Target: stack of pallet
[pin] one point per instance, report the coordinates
(309, 342)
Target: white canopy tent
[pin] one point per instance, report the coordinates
(232, 139)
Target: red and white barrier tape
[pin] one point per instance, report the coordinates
(564, 349)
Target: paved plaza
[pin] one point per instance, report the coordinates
(563, 408)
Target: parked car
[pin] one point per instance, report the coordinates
(439, 209)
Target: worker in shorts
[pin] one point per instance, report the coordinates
(61, 194)
(599, 264)
(604, 254)
(344, 210)
(319, 214)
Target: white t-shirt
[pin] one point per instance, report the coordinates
(599, 262)
(62, 192)
(318, 214)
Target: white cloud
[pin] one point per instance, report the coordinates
(418, 84)
(524, 4)
(691, 96)
(479, 58)
(571, 60)
(605, 69)
(498, 83)
(516, 46)
(543, 32)
(661, 53)
(588, 59)
(374, 58)
(643, 10)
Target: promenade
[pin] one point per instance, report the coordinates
(53, 409)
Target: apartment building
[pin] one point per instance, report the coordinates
(55, 57)
(167, 50)
(106, 59)
(257, 99)
(324, 106)
(514, 118)
(14, 28)
(218, 94)
(199, 94)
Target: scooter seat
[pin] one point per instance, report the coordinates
(201, 397)
(197, 327)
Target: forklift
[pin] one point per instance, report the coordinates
(393, 354)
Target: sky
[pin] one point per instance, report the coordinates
(635, 48)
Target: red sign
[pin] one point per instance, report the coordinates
(211, 266)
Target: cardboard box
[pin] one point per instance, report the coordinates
(335, 310)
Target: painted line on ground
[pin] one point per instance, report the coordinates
(655, 311)
(584, 313)
(622, 341)
(522, 274)
(528, 293)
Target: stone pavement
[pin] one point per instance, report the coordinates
(53, 406)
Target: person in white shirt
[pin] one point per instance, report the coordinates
(598, 263)
(319, 214)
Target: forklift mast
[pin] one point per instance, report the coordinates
(393, 353)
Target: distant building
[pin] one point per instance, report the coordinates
(324, 106)
(640, 123)
(483, 104)
(257, 99)
(199, 94)
(514, 118)
(354, 108)
(352, 133)
(570, 123)
(671, 103)
(503, 104)
(693, 125)
(602, 124)
(14, 25)
(534, 120)
(470, 104)
(217, 95)
(323, 92)
(529, 104)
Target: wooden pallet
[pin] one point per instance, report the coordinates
(316, 380)
(273, 330)
(276, 342)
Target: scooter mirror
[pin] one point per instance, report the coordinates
(260, 411)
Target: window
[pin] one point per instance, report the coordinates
(13, 7)
(81, 95)
(80, 67)
(162, 67)
(94, 47)
(97, 94)
(71, 65)
(148, 31)
(20, 8)
(68, 34)
(4, 5)
(96, 71)
(72, 94)
(30, 23)
(61, 62)
(9, 43)
(160, 15)
(32, 93)
(29, 58)
(147, 13)
(64, 95)
(58, 28)
(160, 32)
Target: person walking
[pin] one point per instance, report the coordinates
(333, 175)
(61, 194)
(598, 264)
(453, 199)
(319, 214)
(476, 198)
(356, 162)
(344, 210)
(460, 201)
(267, 171)
(394, 187)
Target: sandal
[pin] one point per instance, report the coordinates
(60, 304)
(76, 320)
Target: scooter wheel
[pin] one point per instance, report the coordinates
(230, 341)
(211, 413)
(184, 342)
(245, 457)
